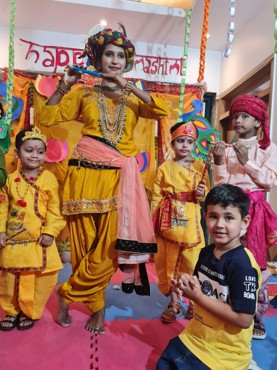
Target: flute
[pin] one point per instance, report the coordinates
(79, 69)
(212, 143)
(209, 157)
(246, 144)
(87, 71)
(19, 232)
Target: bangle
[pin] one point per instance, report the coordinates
(60, 89)
(128, 87)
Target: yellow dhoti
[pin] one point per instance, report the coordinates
(26, 292)
(94, 259)
(172, 260)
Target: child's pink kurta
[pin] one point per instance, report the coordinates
(259, 174)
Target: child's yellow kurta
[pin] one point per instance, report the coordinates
(178, 245)
(24, 224)
(26, 211)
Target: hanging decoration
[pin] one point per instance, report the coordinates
(230, 33)
(275, 32)
(17, 104)
(6, 121)
(11, 67)
(29, 111)
(203, 44)
(207, 135)
(197, 105)
(184, 66)
(46, 85)
(3, 130)
(57, 150)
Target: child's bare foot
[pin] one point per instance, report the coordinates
(95, 323)
(63, 318)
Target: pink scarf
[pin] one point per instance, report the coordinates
(134, 217)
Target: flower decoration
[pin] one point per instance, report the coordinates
(17, 179)
(207, 135)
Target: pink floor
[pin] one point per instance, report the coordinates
(134, 339)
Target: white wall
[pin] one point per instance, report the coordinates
(250, 47)
(254, 44)
(212, 68)
(272, 197)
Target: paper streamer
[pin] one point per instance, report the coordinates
(275, 32)
(11, 67)
(203, 45)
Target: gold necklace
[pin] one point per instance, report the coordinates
(112, 129)
(99, 87)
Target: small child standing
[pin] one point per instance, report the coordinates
(224, 289)
(178, 188)
(30, 219)
(251, 164)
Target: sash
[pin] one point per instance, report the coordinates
(162, 219)
(134, 225)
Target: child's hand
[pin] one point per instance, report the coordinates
(241, 152)
(200, 191)
(218, 153)
(45, 240)
(3, 239)
(175, 288)
(189, 285)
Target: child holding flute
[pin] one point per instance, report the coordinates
(179, 187)
(251, 164)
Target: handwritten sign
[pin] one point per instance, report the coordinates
(54, 57)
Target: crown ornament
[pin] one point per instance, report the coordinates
(35, 134)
